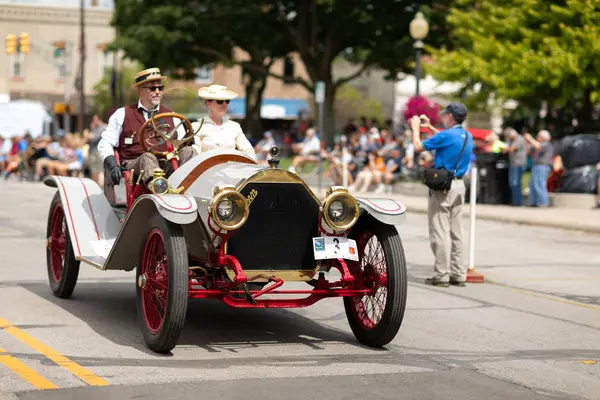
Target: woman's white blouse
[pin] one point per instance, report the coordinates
(229, 135)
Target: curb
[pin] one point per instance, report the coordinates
(520, 221)
(505, 218)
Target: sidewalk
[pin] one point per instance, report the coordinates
(586, 220)
(563, 218)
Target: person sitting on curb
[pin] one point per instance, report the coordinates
(308, 150)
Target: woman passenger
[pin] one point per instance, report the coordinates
(217, 130)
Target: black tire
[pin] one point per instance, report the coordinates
(64, 285)
(163, 338)
(386, 329)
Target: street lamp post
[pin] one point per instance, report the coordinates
(419, 28)
(80, 119)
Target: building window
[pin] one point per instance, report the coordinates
(17, 65)
(60, 60)
(106, 62)
(61, 71)
(204, 74)
(288, 70)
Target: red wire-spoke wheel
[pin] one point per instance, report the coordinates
(162, 284)
(155, 281)
(62, 266)
(375, 318)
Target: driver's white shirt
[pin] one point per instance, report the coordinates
(110, 137)
(228, 135)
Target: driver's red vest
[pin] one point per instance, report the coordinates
(134, 119)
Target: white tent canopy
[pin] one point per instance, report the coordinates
(428, 87)
(21, 116)
(406, 87)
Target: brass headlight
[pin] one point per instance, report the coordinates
(340, 209)
(159, 184)
(229, 208)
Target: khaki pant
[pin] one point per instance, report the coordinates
(445, 231)
(147, 162)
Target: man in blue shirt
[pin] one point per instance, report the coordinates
(445, 207)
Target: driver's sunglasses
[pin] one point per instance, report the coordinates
(153, 88)
(222, 101)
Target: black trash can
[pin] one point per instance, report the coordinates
(493, 178)
(502, 181)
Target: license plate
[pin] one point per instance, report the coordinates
(330, 247)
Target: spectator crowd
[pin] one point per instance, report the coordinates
(377, 156)
(24, 158)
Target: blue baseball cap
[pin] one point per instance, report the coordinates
(457, 110)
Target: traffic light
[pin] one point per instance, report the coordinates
(24, 43)
(62, 108)
(11, 44)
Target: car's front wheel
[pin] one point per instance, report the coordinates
(63, 268)
(375, 318)
(162, 285)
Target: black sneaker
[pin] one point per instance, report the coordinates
(436, 282)
(456, 282)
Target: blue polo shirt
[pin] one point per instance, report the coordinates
(447, 145)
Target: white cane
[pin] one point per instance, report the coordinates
(472, 275)
(344, 167)
(473, 201)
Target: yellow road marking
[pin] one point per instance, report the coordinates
(82, 373)
(35, 379)
(548, 297)
(525, 278)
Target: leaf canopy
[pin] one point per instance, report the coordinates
(525, 49)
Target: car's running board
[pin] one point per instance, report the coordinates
(95, 261)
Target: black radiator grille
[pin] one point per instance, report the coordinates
(278, 234)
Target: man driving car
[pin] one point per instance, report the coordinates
(122, 132)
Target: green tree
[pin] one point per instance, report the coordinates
(527, 50)
(103, 100)
(350, 103)
(373, 34)
(179, 36)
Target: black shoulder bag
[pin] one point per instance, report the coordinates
(441, 179)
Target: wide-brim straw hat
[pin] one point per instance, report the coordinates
(147, 75)
(216, 92)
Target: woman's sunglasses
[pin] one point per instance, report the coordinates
(222, 101)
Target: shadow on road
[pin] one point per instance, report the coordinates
(109, 308)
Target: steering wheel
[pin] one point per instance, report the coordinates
(155, 138)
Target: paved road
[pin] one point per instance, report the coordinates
(531, 334)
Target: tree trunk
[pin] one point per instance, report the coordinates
(255, 83)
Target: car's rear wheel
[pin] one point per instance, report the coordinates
(63, 268)
(375, 318)
(162, 285)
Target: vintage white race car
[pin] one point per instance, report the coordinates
(223, 227)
